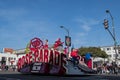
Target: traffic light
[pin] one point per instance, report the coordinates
(106, 23)
(67, 41)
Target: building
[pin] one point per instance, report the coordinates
(8, 59)
(110, 50)
(19, 53)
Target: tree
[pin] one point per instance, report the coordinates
(95, 52)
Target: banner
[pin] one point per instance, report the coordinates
(67, 41)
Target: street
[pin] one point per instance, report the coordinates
(18, 76)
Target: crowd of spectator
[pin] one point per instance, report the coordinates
(8, 68)
(107, 68)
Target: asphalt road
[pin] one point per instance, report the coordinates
(18, 76)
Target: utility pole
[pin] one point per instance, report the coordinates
(106, 26)
(68, 39)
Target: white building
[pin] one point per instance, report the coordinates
(8, 59)
(11, 59)
(110, 51)
(19, 53)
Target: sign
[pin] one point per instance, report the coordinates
(67, 41)
(6, 50)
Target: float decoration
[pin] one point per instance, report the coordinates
(36, 43)
(49, 61)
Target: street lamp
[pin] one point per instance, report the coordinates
(67, 37)
(65, 29)
(106, 26)
(107, 11)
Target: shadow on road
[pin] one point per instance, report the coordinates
(19, 76)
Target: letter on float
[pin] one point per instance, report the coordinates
(41, 56)
(51, 57)
(57, 58)
(36, 53)
(30, 57)
(63, 61)
(23, 60)
(46, 53)
(19, 64)
(27, 58)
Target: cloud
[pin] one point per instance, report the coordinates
(16, 20)
(81, 34)
(12, 14)
(86, 24)
(18, 29)
(86, 27)
(78, 42)
(79, 39)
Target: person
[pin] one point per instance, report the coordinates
(46, 44)
(74, 55)
(58, 43)
(65, 50)
(88, 60)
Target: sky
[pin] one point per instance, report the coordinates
(22, 20)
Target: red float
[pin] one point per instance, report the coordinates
(45, 61)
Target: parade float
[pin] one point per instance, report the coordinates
(40, 59)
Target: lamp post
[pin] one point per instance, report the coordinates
(106, 26)
(65, 29)
(67, 36)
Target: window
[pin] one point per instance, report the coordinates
(108, 49)
(119, 51)
(9, 59)
(109, 55)
(3, 58)
(114, 55)
(113, 48)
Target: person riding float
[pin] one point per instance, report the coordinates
(74, 56)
